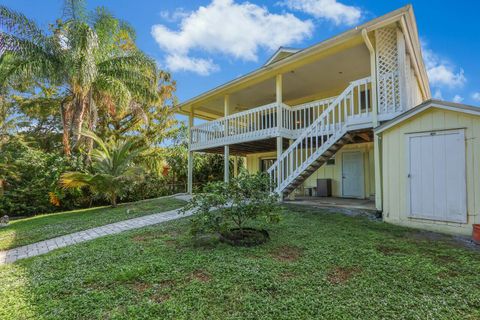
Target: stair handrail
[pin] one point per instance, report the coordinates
(312, 127)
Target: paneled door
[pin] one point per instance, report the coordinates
(436, 175)
(352, 175)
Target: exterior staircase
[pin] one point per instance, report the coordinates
(323, 138)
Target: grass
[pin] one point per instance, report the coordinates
(42, 227)
(317, 265)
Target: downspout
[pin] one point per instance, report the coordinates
(373, 75)
(377, 155)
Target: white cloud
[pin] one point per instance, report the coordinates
(331, 10)
(237, 30)
(458, 98)
(175, 16)
(438, 94)
(476, 96)
(441, 72)
(200, 66)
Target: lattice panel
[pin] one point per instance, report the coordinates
(387, 70)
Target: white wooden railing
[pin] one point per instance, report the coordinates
(261, 123)
(353, 105)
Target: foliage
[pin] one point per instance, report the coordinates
(244, 199)
(151, 186)
(94, 60)
(42, 227)
(113, 168)
(30, 176)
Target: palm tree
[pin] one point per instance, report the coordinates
(113, 168)
(94, 60)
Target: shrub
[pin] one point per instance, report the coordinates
(222, 206)
(30, 180)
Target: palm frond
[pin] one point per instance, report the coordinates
(74, 10)
(18, 24)
(71, 180)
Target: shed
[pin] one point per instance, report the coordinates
(431, 167)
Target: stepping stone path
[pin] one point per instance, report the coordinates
(45, 246)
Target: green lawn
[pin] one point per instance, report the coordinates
(42, 227)
(317, 265)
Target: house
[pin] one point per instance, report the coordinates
(355, 109)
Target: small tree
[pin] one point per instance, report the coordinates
(113, 168)
(235, 204)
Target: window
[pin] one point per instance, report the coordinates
(266, 163)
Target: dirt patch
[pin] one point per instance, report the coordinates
(140, 238)
(167, 284)
(201, 275)
(340, 275)
(140, 286)
(389, 251)
(160, 298)
(287, 253)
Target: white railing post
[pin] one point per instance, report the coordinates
(279, 100)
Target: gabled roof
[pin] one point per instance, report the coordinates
(404, 16)
(432, 103)
(280, 54)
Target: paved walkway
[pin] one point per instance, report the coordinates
(45, 246)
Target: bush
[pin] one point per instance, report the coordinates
(243, 200)
(153, 186)
(31, 181)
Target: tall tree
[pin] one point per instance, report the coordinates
(91, 57)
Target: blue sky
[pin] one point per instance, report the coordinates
(208, 42)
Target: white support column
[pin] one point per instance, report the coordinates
(226, 165)
(377, 142)
(190, 153)
(377, 162)
(279, 100)
(373, 75)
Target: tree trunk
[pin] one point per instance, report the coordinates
(92, 125)
(66, 111)
(113, 199)
(78, 117)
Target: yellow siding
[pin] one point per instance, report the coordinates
(334, 172)
(253, 160)
(395, 168)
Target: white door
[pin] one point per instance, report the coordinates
(437, 184)
(352, 175)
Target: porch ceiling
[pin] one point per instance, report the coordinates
(320, 79)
